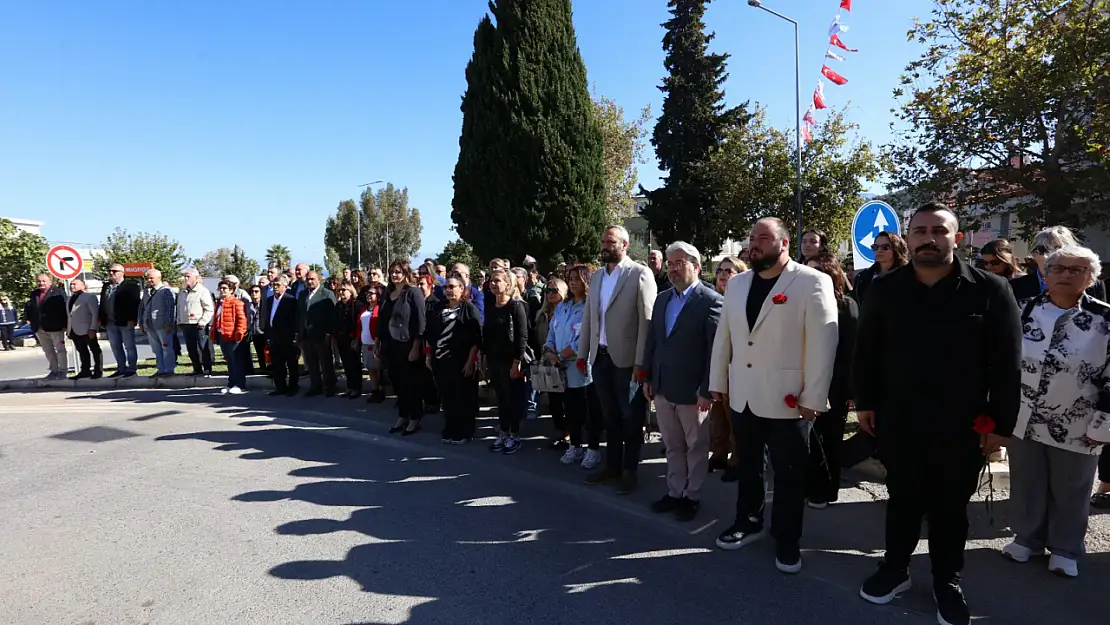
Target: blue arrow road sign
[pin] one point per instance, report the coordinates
(871, 219)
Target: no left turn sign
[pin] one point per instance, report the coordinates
(64, 262)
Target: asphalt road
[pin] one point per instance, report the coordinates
(29, 362)
(187, 507)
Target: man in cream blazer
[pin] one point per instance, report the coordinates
(773, 356)
(613, 336)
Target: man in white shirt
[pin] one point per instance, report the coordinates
(613, 337)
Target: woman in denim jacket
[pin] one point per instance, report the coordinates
(581, 405)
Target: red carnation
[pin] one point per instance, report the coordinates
(983, 425)
(779, 298)
(791, 400)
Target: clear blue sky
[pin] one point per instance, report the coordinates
(247, 122)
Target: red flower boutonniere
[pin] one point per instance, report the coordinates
(779, 298)
(791, 400)
(983, 425)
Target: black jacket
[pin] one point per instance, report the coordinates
(404, 316)
(284, 327)
(840, 390)
(1029, 286)
(125, 304)
(52, 315)
(862, 283)
(505, 331)
(467, 332)
(315, 314)
(929, 360)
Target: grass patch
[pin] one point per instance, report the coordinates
(184, 366)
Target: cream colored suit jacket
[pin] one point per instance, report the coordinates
(789, 351)
(627, 317)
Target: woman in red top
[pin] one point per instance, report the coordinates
(229, 327)
(368, 332)
(347, 340)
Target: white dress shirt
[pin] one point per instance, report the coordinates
(608, 285)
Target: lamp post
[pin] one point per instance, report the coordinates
(358, 221)
(797, 112)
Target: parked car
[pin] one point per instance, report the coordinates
(23, 332)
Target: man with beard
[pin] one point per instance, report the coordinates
(773, 357)
(612, 340)
(937, 379)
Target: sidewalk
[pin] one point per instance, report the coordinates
(841, 544)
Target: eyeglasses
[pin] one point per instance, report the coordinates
(115, 271)
(1039, 250)
(1075, 270)
(721, 270)
(551, 291)
(995, 262)
(880, 247)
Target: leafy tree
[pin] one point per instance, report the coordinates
(390, 228)
(333, 262)
(458, 251)
(278, 256)
(755, 171)
(623, 142)
(317, 267)
(530, 178)
(999, 106)
(692, 125)
(22, 256)
(122, 247)
(227, 261)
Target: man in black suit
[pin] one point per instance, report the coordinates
(118, 315)
(278, 322)
(315, 327)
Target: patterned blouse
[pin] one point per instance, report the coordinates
(1065, 389)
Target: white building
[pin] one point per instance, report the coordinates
(26, 225)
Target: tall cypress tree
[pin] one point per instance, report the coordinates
(693, 123)
(530, 177)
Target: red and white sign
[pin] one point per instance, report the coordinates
(64, 262)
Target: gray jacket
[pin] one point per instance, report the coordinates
(83, 314)
(679, 362)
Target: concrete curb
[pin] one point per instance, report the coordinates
(177, 382)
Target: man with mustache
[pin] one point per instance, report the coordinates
(937, 379)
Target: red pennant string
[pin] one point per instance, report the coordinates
(827, 72)
(835, 40)
(819, 97)
(846, 5)
(808, 117)
(805, 134)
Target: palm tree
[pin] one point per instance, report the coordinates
(278, 256)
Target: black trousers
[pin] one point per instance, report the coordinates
(929, 475)
(583, 413)
(318, 361)
(558, 413)
(459, 397)
(624, 425)
(87, 347)
(259, 341)
(787, 441)
(283, 356)
(1104, 465)
(199, 346)
(429, 391)
(407, 377)
(6, 332)
(825, 442)
(352, 364)
(512, 395)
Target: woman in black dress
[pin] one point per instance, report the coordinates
(453, 336)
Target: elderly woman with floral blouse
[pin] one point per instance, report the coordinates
(1064, 419)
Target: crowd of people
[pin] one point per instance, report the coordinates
(944, 362)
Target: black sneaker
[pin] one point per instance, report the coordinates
(117, 374)
(665, 504)
(687, 510)
(512, 445)
(129, 374)
(788, 558)
(951, 605)
(885, 585)
(741, 534)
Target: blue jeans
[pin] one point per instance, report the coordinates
(122, 340)
(236, 374)
(161, 343)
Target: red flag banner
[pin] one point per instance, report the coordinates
(835, 40)
(827, 72)
(846, 5)
(808, 117)
(819, 97)
(805, 134)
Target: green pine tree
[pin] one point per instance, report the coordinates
(530, 178)
(693, 123)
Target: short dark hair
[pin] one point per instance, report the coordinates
(934, 207)
(223, 283)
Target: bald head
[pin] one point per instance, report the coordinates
(301, 271)
(77, 285)
(153, 277)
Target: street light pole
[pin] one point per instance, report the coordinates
(358, 221)
(797, 112)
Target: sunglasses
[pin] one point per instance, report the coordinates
(1040, 250)
(725, 270)
(549, 291)
(880, 247)
(995, 262)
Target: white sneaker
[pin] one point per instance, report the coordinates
(591, 459)
(573, 455)
(235, 390)
(224, 391)
(1065, 567)
(1017, 553)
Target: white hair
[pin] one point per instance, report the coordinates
(621, 232)
(1055, 237)
(282, 279)
(1077, 252)
(687, 249)
(191, 272)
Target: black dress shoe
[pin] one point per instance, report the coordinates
(276, 392)
(665, 504)
(731, 474)
(292, 392)
(313, 393)
(687, 510)
(96, 375)
(329, 393)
